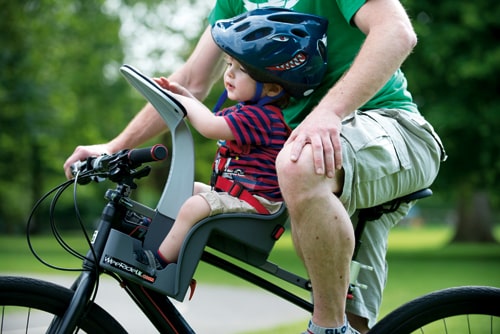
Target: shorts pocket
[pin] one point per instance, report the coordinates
(376, 145)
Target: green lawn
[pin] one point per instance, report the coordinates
(420, 261)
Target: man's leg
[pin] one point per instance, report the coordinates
(322, 233)
(385, 156)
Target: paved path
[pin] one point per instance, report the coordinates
(214, 309)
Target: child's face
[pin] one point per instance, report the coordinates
(239, 85)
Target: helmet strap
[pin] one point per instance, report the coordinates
(220, 101)
(259, 88)
(256, 99)
(270, 99)
(263, 100)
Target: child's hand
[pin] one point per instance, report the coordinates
(173, 87)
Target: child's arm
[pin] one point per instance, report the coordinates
(202, 119)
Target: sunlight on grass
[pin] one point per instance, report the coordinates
(408, 239)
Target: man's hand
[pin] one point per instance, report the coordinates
(81, 153)
(321, 129)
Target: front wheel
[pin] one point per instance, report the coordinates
(28, 305)
(467, 309)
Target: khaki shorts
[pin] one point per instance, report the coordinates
(222, 202)
(386, 154)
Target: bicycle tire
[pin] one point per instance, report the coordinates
(50, 298)
(439, 305)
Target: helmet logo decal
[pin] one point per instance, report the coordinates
(299, 59)
(255, 4)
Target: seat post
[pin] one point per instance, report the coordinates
(364, 216)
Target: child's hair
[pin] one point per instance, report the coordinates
(283, 101)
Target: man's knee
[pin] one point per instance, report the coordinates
(291, 170)
(299, 177)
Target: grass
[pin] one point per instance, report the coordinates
(420, 260)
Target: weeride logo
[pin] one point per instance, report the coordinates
(128, 268)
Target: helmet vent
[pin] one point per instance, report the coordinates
(322, 50)
(286, 18)
(242, 27)
(300, 32)
(257, 34)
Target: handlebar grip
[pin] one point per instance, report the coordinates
(157, 152)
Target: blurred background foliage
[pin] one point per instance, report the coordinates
(60, 87)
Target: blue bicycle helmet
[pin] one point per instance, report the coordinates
(277, 45)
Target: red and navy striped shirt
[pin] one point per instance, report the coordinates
(260, 132)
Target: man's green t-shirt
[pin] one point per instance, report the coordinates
(343, 43)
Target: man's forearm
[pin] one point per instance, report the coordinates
(143, 127)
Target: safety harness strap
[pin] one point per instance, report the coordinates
(236, 189)
(233, 188)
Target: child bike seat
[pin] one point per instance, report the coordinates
(246, 237)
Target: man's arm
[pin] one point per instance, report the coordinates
(389, 40)
(198, 74)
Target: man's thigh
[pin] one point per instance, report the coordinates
(384, 159)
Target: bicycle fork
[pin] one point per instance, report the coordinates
(84, 285)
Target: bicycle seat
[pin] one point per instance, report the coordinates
(374, 213)
(423, 193)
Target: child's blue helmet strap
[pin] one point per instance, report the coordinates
(256, 99)
(220, 101)
(259, 87)
(270, 99)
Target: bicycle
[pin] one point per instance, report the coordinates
(126, 225)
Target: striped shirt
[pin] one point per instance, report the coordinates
(260, 132)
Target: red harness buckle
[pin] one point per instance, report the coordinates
(236, 189)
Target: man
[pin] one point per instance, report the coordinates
(358, 142)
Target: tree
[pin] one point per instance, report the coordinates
(54, 93)
(454, 75)
(60, 86)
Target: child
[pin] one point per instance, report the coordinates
(262, 73)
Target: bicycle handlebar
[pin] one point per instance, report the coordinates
(121, 162)
(139, 156)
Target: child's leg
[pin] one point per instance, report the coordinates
(192, 211)
(200, 187)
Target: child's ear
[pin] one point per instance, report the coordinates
(273, 89)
